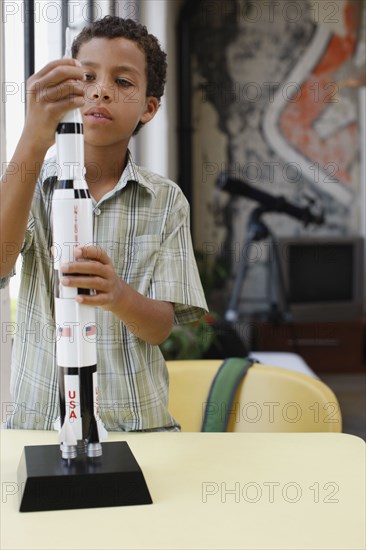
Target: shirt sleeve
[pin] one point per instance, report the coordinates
(4, 281)
(28, 237)
(29, 232)
(175, 277)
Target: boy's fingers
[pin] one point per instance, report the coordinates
(95, 256)
(61, 73)
(62, 91)
(60, 76)
(91, 283)
(91, 267)
(56, 63)
(94, 300)
(92, 252)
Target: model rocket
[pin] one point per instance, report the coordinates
(81, 429)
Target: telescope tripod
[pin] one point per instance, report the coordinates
(258, 231)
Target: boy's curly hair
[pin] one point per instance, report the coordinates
(112, 26)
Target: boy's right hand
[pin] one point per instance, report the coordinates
(51, 92)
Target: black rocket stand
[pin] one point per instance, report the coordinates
(49, 482)
(82, 472)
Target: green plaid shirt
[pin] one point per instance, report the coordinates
(143, 224)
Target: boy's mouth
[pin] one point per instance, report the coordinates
(99, 113)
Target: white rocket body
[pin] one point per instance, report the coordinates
(81, 427)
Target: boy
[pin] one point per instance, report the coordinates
(142, 268)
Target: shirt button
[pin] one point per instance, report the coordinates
(97, 211)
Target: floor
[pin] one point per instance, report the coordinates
(350, 390)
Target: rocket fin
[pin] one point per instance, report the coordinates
(102, 432)
(93, 436)
(57, 424)
(67, 435)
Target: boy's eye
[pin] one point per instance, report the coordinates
(123, 82)
(88, 76)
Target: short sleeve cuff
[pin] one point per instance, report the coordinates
(4, 281)
(187, 314)
(189, 302)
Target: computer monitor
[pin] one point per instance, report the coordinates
(323, 277)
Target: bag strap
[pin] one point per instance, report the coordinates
(222, 393)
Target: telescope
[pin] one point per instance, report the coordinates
(272, 203)
(257, 230)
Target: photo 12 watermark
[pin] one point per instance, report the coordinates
(253, 92)
(256, 11)
(272, 172)
(274, 412)
(49, 11)
(269, 492)
(36, 413)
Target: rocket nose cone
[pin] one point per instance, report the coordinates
(73, 116)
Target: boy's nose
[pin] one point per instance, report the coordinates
(99, 91)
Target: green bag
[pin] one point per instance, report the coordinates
(222, 393)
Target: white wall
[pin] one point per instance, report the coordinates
(152, 141)
(156, 145)
(5, 345)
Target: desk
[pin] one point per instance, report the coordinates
(333, 346)
(213, 491)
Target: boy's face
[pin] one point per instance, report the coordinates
(115, 90)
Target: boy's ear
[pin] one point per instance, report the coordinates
(152, 106)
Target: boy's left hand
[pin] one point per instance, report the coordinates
(97, 273)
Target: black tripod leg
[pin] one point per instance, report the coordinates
(285, 310)
(231, 313)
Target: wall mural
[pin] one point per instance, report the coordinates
(268, 104)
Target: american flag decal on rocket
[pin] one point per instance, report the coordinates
(64, 332)
(90, 330)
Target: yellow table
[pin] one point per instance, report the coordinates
(212, 491)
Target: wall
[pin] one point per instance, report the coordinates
(4, 293)
(156, 144)
(270, 105)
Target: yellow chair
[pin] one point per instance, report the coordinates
(269, 399)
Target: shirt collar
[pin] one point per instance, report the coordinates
(130, 173)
